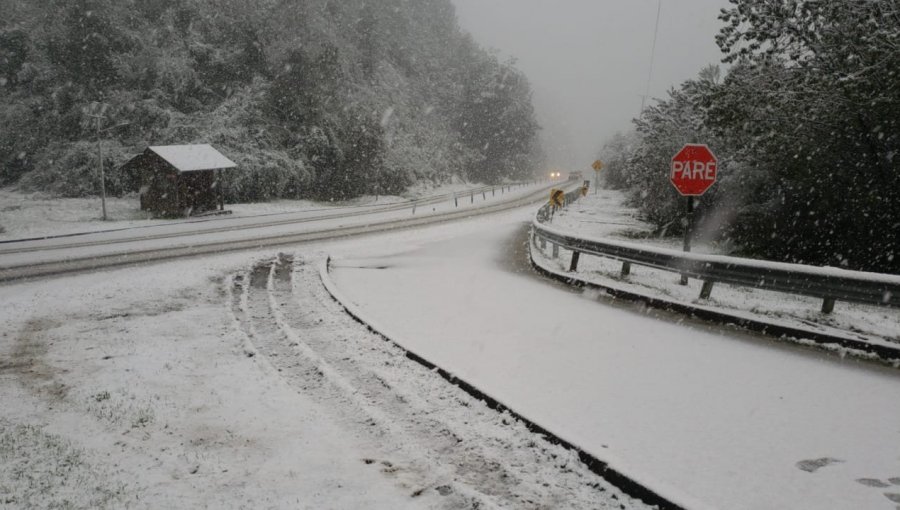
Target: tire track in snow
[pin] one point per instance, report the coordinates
(435, 439)
(304, 370)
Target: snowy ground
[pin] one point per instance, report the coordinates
(29, 215)
(604, 215)
(115, 398)
(235, 382)
(710, 419)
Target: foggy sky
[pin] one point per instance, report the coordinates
(588, 60)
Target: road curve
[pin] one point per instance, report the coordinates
(84, 256)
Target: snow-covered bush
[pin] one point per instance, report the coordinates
(72, 170)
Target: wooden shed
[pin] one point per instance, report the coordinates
(180, 180)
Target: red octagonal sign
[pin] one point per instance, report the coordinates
(694, 170)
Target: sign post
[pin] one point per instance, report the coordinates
(597, 166)
(694, 170)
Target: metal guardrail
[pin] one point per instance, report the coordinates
(829, 284)
(545, 213)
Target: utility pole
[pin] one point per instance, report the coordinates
(99, 116)
(102, 170)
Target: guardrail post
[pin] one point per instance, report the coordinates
(626, 269)
(574, 266)
(493, 192)
(543, 244)
(414, 209)
(555, 251)
(483, 195)
(472, 197)
(706, 291)
(828, 305)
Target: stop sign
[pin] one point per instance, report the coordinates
(694, 170)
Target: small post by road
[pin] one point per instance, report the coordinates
(688, 230)
(574, 265)
(828, 305)
(706, 291)
(220, 192)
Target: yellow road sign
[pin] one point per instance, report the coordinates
(597, 166)
(557, 197)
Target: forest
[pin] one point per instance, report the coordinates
(319, 99)
(804, 116)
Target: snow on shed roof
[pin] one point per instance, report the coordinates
(191, 158)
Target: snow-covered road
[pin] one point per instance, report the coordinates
(105, 249)
(710, 419)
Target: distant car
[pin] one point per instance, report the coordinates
(576, 176)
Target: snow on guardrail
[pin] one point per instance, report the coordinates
(829, 283)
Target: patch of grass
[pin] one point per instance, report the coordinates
(143, 418)
(121, 408)
(42, 470)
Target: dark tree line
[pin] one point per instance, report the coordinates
(806, 123)
(312, 98)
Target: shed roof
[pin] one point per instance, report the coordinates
(192, 158)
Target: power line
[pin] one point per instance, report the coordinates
(652, 55)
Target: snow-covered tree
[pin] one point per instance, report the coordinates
(296, 92)
(814, 100)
